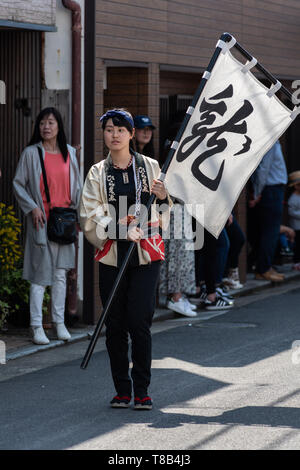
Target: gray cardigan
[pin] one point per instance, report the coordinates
(38, 265)
(294, 211)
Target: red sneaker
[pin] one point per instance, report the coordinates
(120, 402)
(142, 403)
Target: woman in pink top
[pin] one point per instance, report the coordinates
(46, 262)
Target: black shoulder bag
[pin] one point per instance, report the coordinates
(61, 226)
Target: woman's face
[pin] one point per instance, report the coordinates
(48, 127)
(143, 136)
(116, 138)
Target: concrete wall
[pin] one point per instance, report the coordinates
(58, 51)
(29, 11)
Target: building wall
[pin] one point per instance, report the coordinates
(175, 83)
(20, 66)
(126, 87)
(58, 51)
(184, 32)
(29, 11)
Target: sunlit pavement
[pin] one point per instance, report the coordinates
(230, 381)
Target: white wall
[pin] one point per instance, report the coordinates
(58, 51)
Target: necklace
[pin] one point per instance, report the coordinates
(125, 173)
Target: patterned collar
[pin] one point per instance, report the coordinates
(142, 175)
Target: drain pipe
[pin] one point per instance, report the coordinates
(75, 8)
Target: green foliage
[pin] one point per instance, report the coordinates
(10, 227)
(14, 291)
(10, 256)
(14, 295)
(4, 311)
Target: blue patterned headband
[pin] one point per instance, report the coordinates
(117, 112)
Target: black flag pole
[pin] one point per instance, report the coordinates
(225, 37)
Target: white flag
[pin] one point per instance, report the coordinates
(235, 122)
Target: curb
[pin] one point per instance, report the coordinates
(254, 285)
(34, 348)
(160, 314)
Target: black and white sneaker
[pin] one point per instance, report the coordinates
(199, 297)
(218, 304)
(223, 294)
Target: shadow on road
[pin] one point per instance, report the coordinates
(62, 406)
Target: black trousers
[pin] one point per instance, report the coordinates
(205, 263)
(131, 312)
(237, 240)
(297, 247)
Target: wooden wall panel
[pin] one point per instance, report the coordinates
(184, 32)
(178, 83)
(127, 87)
(20, 69)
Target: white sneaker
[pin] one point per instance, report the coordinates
(188, 303)
(39, 336)
(233, 280)
(62, 332)
(181, 307)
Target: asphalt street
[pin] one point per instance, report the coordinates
(229, 381)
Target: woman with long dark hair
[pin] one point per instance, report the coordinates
(46, 262)
(115, 192)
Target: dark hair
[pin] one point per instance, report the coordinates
(148, 149)
(121, 121)
(173, 128)
(61, 136)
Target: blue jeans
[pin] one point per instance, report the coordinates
(269, 213)
(223, 245)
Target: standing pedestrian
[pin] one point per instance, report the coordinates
(237, 240)
(177, 275)
(125, 179)
(294, 214)
(46, 262)
(207, 270)
(269, 180)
